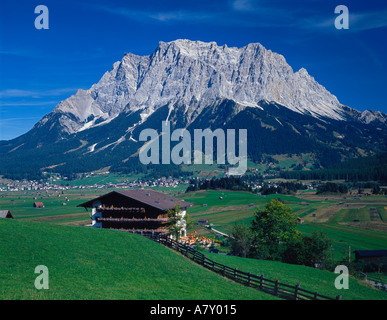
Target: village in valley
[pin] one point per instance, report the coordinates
(58, 182)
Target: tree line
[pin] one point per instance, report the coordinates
(281, 188)
(331, 187)
(373, 168)
(245, 183)
(227, 183)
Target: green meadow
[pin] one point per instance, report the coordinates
(86, 263)
(310, 279)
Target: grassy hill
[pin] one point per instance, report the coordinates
(310, 278)
(87, 263)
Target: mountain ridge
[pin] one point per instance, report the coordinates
(207, 72)
(197, 84)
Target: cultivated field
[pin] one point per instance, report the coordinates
(351, 224)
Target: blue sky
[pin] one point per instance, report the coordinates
(39, 68)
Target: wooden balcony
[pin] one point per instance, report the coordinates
(133, 219)
(106, 209)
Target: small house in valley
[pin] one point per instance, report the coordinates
(6, 214)
(138, 211)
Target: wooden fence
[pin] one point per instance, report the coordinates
(276, 288)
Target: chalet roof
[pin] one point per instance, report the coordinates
(150, 197)
(5, 214)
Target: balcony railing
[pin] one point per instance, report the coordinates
(133, 219)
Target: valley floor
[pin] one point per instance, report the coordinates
(56, 235)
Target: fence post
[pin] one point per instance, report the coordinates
(276, 287)
(235, 273)
(296, 289)
(315, 296)
(339, 297)
(249, 280)
(261, 282)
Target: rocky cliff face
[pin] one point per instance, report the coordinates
(196, 74)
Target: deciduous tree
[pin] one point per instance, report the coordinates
(272, 228)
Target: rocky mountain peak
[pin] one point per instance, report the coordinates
(183, 71)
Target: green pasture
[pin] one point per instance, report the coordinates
(21, 204)
(93, 264)
(236, 206)
(211, 198)
(98, 179)
(311, 279)
(345, 238)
